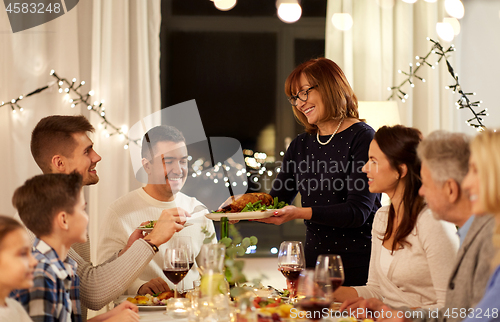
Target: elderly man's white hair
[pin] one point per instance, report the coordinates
(446, 155)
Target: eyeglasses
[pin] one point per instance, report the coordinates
(302, 95)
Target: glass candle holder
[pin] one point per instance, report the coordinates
(178, 307)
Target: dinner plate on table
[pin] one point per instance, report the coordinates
(122, 298)
(241, 215)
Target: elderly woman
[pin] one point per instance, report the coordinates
(324, 166)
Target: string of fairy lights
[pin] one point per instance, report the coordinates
(76, 97)
(255, 162)
(462, 103)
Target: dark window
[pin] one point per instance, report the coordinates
(235, 70)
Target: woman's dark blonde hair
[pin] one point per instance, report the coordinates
(336, 93)
(486, 150)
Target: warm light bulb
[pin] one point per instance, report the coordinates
(224, 5)
(454, 23)
(289, 12)
(342, 21)
(454, 8)
(410, 1)
(445, 31)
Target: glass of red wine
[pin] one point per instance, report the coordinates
(175, 266)
(291, 262)
(329, 267)
(313, 294)
(184, 242)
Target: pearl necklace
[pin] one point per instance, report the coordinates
(331, 137)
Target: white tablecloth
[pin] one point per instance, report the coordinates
(154, 316)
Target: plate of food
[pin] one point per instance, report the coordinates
(148, 302)
(248, 206)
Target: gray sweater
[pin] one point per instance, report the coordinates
(470, 273)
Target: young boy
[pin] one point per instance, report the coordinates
(52, 206)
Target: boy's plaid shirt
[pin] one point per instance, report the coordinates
(55, 296)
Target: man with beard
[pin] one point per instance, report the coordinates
(165, 160)
(60, 144)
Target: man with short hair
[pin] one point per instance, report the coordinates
(445, 158)
(60, 144)
(165, 160)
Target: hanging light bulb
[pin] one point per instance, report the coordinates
(454, 23)
(289, 11)
(342, 21)
(445, 31)
(410, 1)
(454, 8)
(224, 5)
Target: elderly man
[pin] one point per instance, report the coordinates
(445, 159)
(165, 160)
(60, 144)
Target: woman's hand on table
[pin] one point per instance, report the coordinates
(286, 214)
(385, 312)
(352, 304)
(154, 286)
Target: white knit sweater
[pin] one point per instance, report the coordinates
(418, 274)
(127, 213)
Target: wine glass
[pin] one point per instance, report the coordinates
(175, 266)
(184, 242)
(329, 267)
(291, 261)
(313, 293)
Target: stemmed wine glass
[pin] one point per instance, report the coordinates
(175, 266)
(291, 261)
(313, 293)
(184, 242)
(330, 266)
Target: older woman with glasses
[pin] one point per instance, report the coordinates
(324, 166)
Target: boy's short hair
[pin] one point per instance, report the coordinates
(157, 134)
(42, 197)
(54, 135)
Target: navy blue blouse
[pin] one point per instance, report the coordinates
(330, 181)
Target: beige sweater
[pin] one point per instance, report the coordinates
(418, 274)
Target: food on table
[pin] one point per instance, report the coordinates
(151, 224)
(260, 302)
(151, 300)
(274, 311)
(353, 319)
(255, 201)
